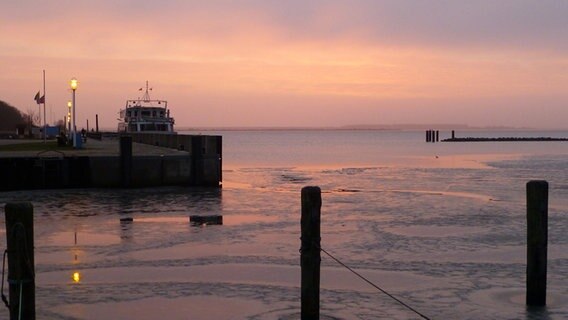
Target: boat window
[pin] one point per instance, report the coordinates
(145, 113)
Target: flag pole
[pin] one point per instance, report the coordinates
(44, 118)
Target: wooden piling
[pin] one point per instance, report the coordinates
(310, 256)
(197, 160)
(437, 135)
(537, 242)
(125, 160)
(97, 122)
(20, 247)
(219, 144)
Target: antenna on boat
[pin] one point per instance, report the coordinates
(146, 96)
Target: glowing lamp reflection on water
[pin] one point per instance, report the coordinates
(76, 277)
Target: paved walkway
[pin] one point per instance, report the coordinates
(105, 147)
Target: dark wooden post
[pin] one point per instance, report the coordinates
(97, 122)
(220, 153)
(310, 256)
(125, 160)
(197, 160)
(537, 242)
(453, 134)
(20, 246)
(437, 135)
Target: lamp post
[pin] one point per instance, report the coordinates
(73, 84)
(69, 104)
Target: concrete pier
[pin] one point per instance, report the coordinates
(98, 164)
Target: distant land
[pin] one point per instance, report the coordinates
(378, 127)
(385, 127)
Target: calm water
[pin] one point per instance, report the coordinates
(441, 226)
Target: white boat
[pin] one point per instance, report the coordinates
(146, 115)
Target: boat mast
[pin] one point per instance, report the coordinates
(146, 97)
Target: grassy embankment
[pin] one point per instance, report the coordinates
(35, 146)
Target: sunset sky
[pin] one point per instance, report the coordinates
(293, 63)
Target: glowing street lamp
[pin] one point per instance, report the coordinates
(73, 84)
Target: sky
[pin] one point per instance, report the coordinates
(293, 63)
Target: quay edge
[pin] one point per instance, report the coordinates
(165, 160)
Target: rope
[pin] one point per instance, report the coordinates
(20, 306)
(375, 286)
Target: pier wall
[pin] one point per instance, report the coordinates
(105, 172)
(206, 153)
(200, 165)
(207, 145)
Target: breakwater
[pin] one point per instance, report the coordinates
(434, 136)
(503, 139)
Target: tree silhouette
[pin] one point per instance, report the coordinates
(10, 117)
(32, 117)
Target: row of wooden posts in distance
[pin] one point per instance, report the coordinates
(434, 135)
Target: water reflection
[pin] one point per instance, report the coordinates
(76, 276)
(538, 313)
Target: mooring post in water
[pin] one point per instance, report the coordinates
(20, 248)
(197, 152)
(310, 257)
(125, 160)
(537, 242)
